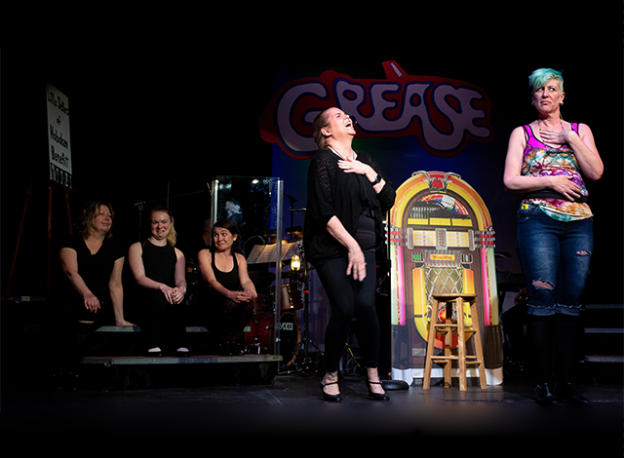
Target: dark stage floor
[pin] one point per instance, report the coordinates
(292, 407)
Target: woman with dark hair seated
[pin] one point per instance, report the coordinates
(231, 292)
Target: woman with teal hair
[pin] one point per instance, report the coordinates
(548, 160)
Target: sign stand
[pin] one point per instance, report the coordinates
(29, 193)
(60, 172)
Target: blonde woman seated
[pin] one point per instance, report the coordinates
(159, 270)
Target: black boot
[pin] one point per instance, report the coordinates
(544, 394)
(566, 332)
(540, 335)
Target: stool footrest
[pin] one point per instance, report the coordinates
(473, 359)
(457, 325)
(466, 328)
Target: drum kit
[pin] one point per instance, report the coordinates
(260, 334)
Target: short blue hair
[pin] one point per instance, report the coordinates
(541, 76)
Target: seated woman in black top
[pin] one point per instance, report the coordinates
(90, 294)
(231, 293)
(160, 271)
(92, 262)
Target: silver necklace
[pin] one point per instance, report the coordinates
(340, 155)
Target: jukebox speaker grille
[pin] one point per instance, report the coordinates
(441, 280)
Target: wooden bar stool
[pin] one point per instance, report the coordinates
(436, 327)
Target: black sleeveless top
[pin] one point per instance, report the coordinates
(159, 263)
(229, 279)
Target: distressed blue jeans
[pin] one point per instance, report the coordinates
(555, 258)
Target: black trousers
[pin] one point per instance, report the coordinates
(162, 322)
(350, 299)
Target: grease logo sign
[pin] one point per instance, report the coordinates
(443, 114)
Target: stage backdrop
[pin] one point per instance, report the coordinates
(409, 123)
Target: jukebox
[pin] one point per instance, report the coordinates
(441, 240)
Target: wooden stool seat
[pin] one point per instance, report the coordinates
(447, 357)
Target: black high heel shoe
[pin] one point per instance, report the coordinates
(330, 397)
(567, 392)
(375, 396)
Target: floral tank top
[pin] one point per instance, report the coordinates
(542, 160)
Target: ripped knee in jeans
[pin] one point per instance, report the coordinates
(539, 284)
(583, 253)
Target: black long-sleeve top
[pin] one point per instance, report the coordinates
(332, 192)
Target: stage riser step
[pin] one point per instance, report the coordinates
(604, 359)
(151, 361)
(133, 329)
(604, 330)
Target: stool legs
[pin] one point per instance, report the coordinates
(461, 344)
(431, 344)
(479, 348)
(456, 300)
